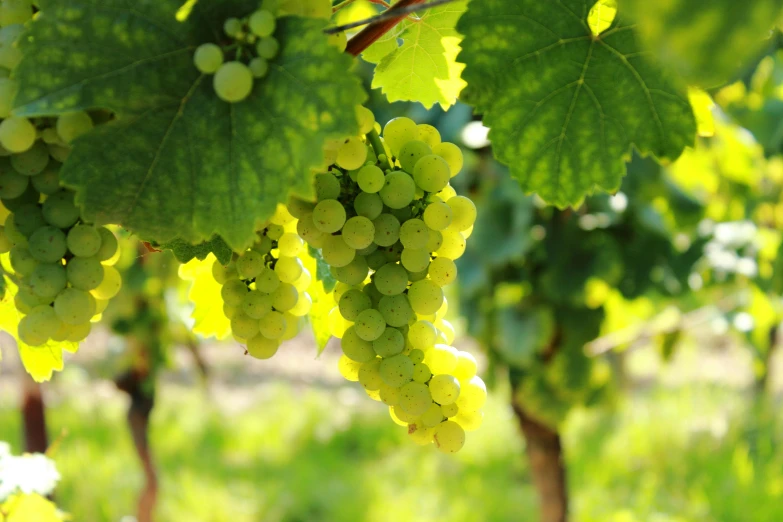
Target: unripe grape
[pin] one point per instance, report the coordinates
(449, 437)
(261, 347)
(84, 241)
(415, 398)
(411, 153)
(267, 48)
(352, 154)
(431, 173)
(262, 23)
(233, 82)
(17, 134)
(444, 388)
(208, 58)
(396, 370)
(73, 124)
(398, 132)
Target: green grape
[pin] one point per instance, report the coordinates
(443, 271)
(464, 213)
(234, 292)
(244, 326)
(73, 124)
(417, 276)
(356, 348)
(272, 325)
(421, 373)
(396, 310)
(299, 208)
(329, 216)
(17, 134)
(415, 260)
(44, 320)
(446, 331)
(354, 273)
(285, 297)
(208, 58)
(30, 195)
(309, 232)
(74, 306)
(438, 215)
(376, 259)
(431, 173)
(30, 332)
(60, 211)
(416, 355)
(358, 232)
(372, 292)
(366, 120)
(389, 394)
(59, 152)
(263, 246)
(444, 389)
(48, 181)
(262, 348)
(15, 12)
(5, 242)
(352, 303)
(396, 370)
(304, 281)
(398, 190)
(349, 369)
(291, 326)
(387, 230)
(267, 281)
(8, 89)
(32, 161)
(255, 304)
(49, 136)
(370, 324)
(110, 285)
(12, 232)
(414, 234)
(303, 305)
(415, 398)
(28, 218)
(411, 153)
(22, 261)
(371, 179)
(449, 437)
(396, 419)
(84, 273)
(101, 305)
(452, 154)
(391, 342)
(425, 297)
(428, 134)
(259, 67)
(288, 269)
(84, 241)
(233, 82)
(370, 376)
(25, 300)
(48, 244)
(231, 311)
(13, 184)
(422, 335)
(398, 132)
(78, 332)
(267, 48)
(435, 241)
(433, 416)
(327, 186)
(391, 279)
(352, 154)
(365, 204)
(449, 410)
(473, 395)
(48, 280)
(250, 264)
(336, 251)
(232, 27)
(441, 358)
(262, 23)
(405, 417)
(469, 420)
(109, 244)
(274, 231)
(338, 40)
(453, 245)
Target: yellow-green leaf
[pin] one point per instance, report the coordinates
(204, 293)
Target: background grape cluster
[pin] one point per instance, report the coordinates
(390, 226)
(264, 288)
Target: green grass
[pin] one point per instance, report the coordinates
(308, 454)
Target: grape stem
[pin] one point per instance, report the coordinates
(395, 13)
(377, 28)
(375, 141)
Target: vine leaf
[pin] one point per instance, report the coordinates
(323, 298)
(565, 106)
(424, 67)
(204, 293)
(707, 41)
(185, 251)
(178, 162)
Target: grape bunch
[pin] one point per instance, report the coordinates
(252, 39)
(60, 263)
(264, 288)
(390, 227)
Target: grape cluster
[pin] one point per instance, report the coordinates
(264, 288)
(61, 264)
(390, 227)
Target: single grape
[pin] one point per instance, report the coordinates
(391, 279)
(232, 27)
(466, 366)
(411, 153)
(433, 416)
(415, 260)
(267, 281)
(272, 325)
(415, 398)
(444, 388)
(255, 304)
(233, 82)
(389, 394)
(327, 186)
(416, 355)
(464, 212)
(422, 335)
(83, 241)
(336, 251)
(387, 230)
(391, 342)
(449, 410)
(22, 261)
(48, 244)
(73, 124)
(428, 134)
(446, 332)
(309, 232)
(370, 376)
(398, 190)
(431, 173)
(421, 373)
(261, 347)
(208, 58)
(443, 271)
(396, 310)
(365, 204)
(262, 23)
(28, 218)
(234, 292)
(449, 437)
(398, 132)
(414, 234)
(352, 303)
(441, 359)
(59, 152)
(288, 269)
(329, 216)
(267, 48)
(370, 179)
(352, 154)
(338, 40)
(17, 134)
(349, 369)
(366, 120)
(48, 280)
(469, 420)
(452, 154)
(48, 181)
(33, 161)
(110, 285)
(370, 324)
(406, 418)
(13, 184)
(453, 245)
(358, 232)
(259, 67)
(285, 297)
(396, 370)
(109, 244)
(74, 306)
(354, 273)
(438, 215)
(250, 264)
(59, 209)
(356, 348)
(84, 273)
(244, 326)
(78, 332)
(473, 394)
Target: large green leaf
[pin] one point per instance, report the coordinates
(424, 66)
(565, 106)
(177, 161)
(706, 41)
